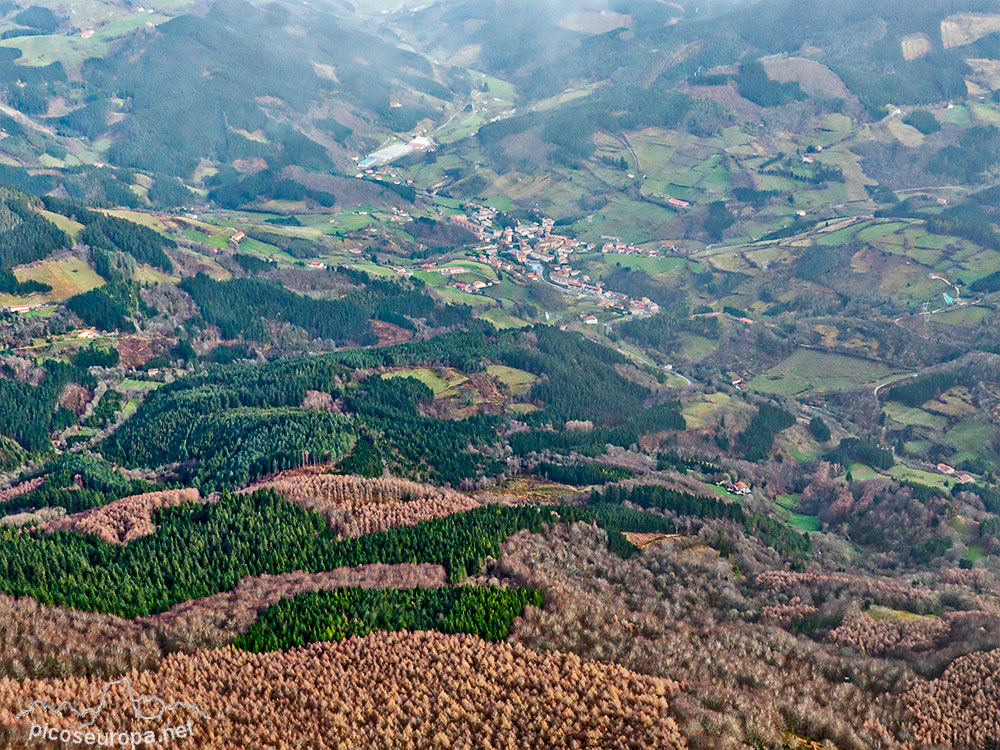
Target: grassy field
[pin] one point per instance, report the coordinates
(148, 275)
(631, 220)
(71, 51)
(461, 126)
(429, 378)
(67, 277)
(955, 403)
(968, 317)
(712, 489)
(701, 412)
(523, 408)
(861, 472)
(271, 252)
(917, 448)
(696, 348)
(652, 266)
(906, 415)
(974, 553)
(217, 240)
(208, 265)
(919, 476)
(876, 231)
(789, 505)
(503, 320)
(969, 436)
(131, 384)
(519, 381)
(810, 370)
(479, 269)
(70, 227)
(906, 134)
(885, 613)
(799, 443)
(840, 236)
(453, 296)
(138, 217)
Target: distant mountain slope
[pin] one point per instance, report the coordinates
(166, 90)
(244, 82)
(901, 52)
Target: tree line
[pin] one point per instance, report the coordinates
(333, 615)
(28, 413)
(867, 451)
(757, 439)
(241, 421)
(109, 307)
(582, 474)
(76, 482)
(386, 423)
(787, 542)
(921, 390)
(200, 550)
(240, 307)
(106, 234)
(25, 235)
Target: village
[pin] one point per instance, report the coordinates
(535, 252)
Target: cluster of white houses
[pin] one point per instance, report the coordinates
(534, 251)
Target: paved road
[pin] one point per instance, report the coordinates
(643, 360)
(891, 382)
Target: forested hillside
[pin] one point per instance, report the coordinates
(612, 373)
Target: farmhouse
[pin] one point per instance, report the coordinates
(735, 488)
(945, 469)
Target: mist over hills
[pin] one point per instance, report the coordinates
(204, 93)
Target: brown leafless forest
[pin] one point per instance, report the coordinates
(431, 691)
(38, 641)
(354, 506)
(124, 520)
(962, 707)
(216, 620)
(681, 610)
(750, 654)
